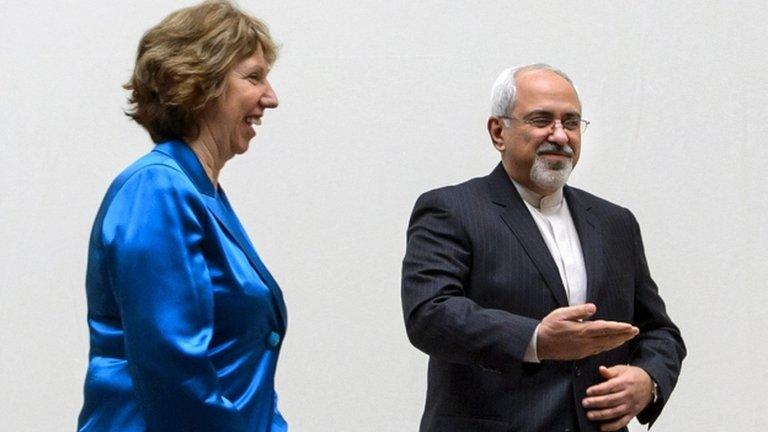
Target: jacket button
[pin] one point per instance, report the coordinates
(273, 339)
(577, 371)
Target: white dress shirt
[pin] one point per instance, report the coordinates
(556, 226)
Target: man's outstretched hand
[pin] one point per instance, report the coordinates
(564, 335)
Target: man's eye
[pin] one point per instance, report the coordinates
(540, 122)
(572, 124)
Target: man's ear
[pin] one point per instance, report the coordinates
(495, 127)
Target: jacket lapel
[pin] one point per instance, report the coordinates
(588, 229)
(516, 216)
(217, 203)
(229, 221)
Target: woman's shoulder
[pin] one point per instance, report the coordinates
(153, 171)
(155, 181)
(153, 190)
(153, 164)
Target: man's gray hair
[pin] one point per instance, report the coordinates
(504, 89)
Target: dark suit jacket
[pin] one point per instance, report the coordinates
(478, 278)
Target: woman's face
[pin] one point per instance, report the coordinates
(232, 118)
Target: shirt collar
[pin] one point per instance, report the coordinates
(548, 202)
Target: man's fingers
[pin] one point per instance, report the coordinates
(606, 414)
(612, 340)
(609, 372)
(608, 328)
(596, 345)
(605, 388)
(605, 401)
(565, 334)
(575, 313)
(617, 424)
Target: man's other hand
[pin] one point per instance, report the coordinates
(614, 402)
(563, 335)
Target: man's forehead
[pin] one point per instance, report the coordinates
(538, 85)
(543, 81)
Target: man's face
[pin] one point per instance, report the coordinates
(539, 145)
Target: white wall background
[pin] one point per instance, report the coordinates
(380, 101)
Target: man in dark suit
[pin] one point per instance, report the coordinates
(533, 299)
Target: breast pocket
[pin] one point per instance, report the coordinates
(617, 299)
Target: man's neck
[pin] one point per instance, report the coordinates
(536, 199)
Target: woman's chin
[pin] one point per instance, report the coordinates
(241, 146)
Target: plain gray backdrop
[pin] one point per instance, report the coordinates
(379, 102)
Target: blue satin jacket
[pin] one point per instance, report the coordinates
(185, 321)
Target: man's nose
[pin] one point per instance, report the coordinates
(558, 134)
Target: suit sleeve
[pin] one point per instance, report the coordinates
(659, 348)
(153, 236)
(440, 318)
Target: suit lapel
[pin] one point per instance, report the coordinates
(516, 216)
(217, 203)
(226, 216)
(588, 229)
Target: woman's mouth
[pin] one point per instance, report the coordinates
(253, 120)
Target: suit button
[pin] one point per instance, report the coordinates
(273, 339)
(577, 371)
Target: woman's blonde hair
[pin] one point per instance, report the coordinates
(183, 61)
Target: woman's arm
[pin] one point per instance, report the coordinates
(152, 236)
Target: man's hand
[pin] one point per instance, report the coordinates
(564, 336)
(616, 401)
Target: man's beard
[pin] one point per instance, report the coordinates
(551, 175)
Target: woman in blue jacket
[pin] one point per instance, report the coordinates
(185, 321)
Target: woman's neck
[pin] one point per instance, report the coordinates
(209, 154)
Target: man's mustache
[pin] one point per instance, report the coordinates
(552, 148)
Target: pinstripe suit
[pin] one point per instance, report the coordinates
(478, 278)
